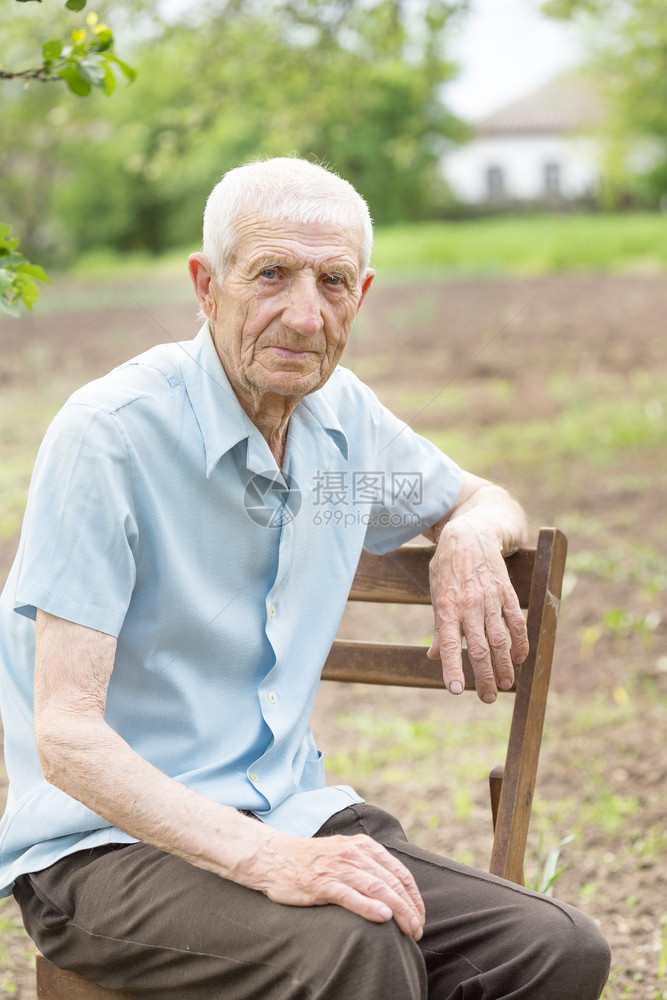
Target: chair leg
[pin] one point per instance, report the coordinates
(55, 984)
(495, 788)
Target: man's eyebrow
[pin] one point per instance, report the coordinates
(340, 269)
(270, 260)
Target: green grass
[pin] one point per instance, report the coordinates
(600, 430)
(24, 415)
(507, 245)
(535, 244)
(522, 245)
(390, 749)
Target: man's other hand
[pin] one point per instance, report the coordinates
(474, 599)
(354, 872)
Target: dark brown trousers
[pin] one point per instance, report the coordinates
(133, 918)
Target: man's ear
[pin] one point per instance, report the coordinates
(201, 273)
(368, 281)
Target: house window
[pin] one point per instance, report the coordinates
(495, 183)
(552, 180)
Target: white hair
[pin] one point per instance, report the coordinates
(282, 188)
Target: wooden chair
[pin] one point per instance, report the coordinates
(401, 577)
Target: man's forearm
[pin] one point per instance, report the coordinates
(82, 755)
(89, 761)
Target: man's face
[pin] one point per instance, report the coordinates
(282, 315)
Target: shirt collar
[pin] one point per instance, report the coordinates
(319, 407)
(221, 418)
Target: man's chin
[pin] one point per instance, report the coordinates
(288, 383)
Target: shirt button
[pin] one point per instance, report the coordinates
(253, 777)
(272, 611)
(273, 697)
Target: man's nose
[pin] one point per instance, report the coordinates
(303, 311)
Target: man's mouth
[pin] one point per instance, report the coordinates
(289, 354)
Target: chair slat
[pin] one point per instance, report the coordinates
(353, 660)
(401, 576)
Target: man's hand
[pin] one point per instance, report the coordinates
(354, 872)
(471, 592)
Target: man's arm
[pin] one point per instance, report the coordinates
(82, 755)
(471, 591)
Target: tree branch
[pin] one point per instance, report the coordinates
(30, 74)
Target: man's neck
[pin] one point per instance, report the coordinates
(270, 414)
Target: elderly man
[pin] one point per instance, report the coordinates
(177, 588)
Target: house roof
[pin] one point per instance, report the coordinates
(568, 103)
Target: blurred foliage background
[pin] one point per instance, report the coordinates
(348, 82)
(357, 84)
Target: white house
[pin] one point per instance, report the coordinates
(540, 148)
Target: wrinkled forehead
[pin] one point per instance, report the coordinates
(259, 237)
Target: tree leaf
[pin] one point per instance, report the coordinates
(27, 290)
(103, 38)
(92, 72)
(126, 70)
(76, 83)
(52, 50)
(34, 270)
(75, 4)
(109, 80)
(8, 244)
(8, 305)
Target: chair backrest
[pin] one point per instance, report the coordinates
(401, 577)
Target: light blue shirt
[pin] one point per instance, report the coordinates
(157, 514)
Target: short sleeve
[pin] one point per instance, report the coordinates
(420, 484)
(76, 557)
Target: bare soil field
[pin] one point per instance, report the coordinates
(556, 387)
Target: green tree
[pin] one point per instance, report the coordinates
(629, 62)
(85, 60)
(355, 83)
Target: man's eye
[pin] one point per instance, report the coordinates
(333, 279)
(270, 273)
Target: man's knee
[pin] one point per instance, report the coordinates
(589, 953)
(575, 953)
(374, 961)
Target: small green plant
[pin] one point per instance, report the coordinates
(662, 964)
(547, 871)
(17, 275)
(8, 928)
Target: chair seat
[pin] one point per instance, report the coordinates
(54, 984)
